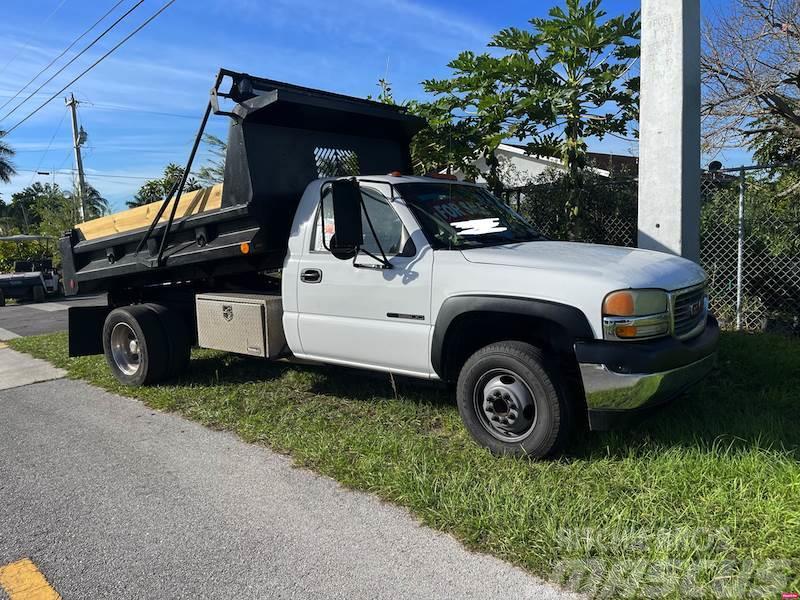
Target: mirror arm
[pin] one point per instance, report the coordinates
(382, 263)
(385, 264)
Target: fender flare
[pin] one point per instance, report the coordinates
(571, 319)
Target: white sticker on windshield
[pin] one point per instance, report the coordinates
(479, 226)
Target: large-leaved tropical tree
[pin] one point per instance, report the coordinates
(568, 77)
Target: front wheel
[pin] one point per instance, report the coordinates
(512, 402)
(38, 294)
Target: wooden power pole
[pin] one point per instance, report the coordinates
(78, 139)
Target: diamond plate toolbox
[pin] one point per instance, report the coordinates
(241, 323)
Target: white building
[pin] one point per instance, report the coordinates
(518, 168)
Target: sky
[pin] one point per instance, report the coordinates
(141, 106)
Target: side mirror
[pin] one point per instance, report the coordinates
(346, 195)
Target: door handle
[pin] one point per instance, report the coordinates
(311, 276)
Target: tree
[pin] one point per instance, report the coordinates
(446, 142)
(751, 79)
(564, 80)
(213, 171)
(156, 190)
(7, 222)
(94, 203)
(6, 154)
(21, 211)
(56, 210)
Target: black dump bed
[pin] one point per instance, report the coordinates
(281, 137)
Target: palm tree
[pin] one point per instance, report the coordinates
(94, 203)
(6, 168)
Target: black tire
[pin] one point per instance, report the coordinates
(152, 355)
(38, 294)
(178, 340)
(512, 402)
(2, 298)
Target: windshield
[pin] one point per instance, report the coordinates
(457, 216)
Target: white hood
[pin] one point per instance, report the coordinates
(630, 266)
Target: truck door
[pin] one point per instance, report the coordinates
(366, 316)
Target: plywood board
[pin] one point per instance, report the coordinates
(191, 203)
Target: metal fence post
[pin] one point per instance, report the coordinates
(740, 251)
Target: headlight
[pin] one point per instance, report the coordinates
(635, 314)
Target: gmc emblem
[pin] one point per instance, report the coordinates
(694, 309)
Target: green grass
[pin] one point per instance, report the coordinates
(701, 500)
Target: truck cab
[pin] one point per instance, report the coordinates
(417, 276)
(447, 282)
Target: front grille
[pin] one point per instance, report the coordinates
(688, 311)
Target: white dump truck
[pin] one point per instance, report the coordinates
(319, 245)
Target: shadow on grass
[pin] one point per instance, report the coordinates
(752, 400)
(327, 380)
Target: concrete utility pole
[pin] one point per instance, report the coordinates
(669, 126)
(78, 138)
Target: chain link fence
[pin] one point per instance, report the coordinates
(750, 248)
(749, 237)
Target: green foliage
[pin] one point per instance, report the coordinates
(452, 144)
(699, 501)
(156, 190)
(771, 247)
(385, 96)
(213, 171)
(56, 210)
(47, 209)
(13, 251)
(22, 210)
(772, 210)
(8, 224)
(565, 79)
(6, 154)
(609, 204)
(94, 203)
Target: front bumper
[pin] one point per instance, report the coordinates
(623, 380)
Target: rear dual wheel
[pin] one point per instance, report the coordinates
(145, 344)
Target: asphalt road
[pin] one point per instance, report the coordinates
(46, 317)
(111, 499)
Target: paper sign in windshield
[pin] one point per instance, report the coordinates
(479, 226)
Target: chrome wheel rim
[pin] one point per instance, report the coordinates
(125, 348)
(505, 405)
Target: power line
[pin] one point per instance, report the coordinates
(72, 60)
(94, 64)
(55, 133)
(113, 107)
(26, 46)
(61, 171)
(67, 49)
